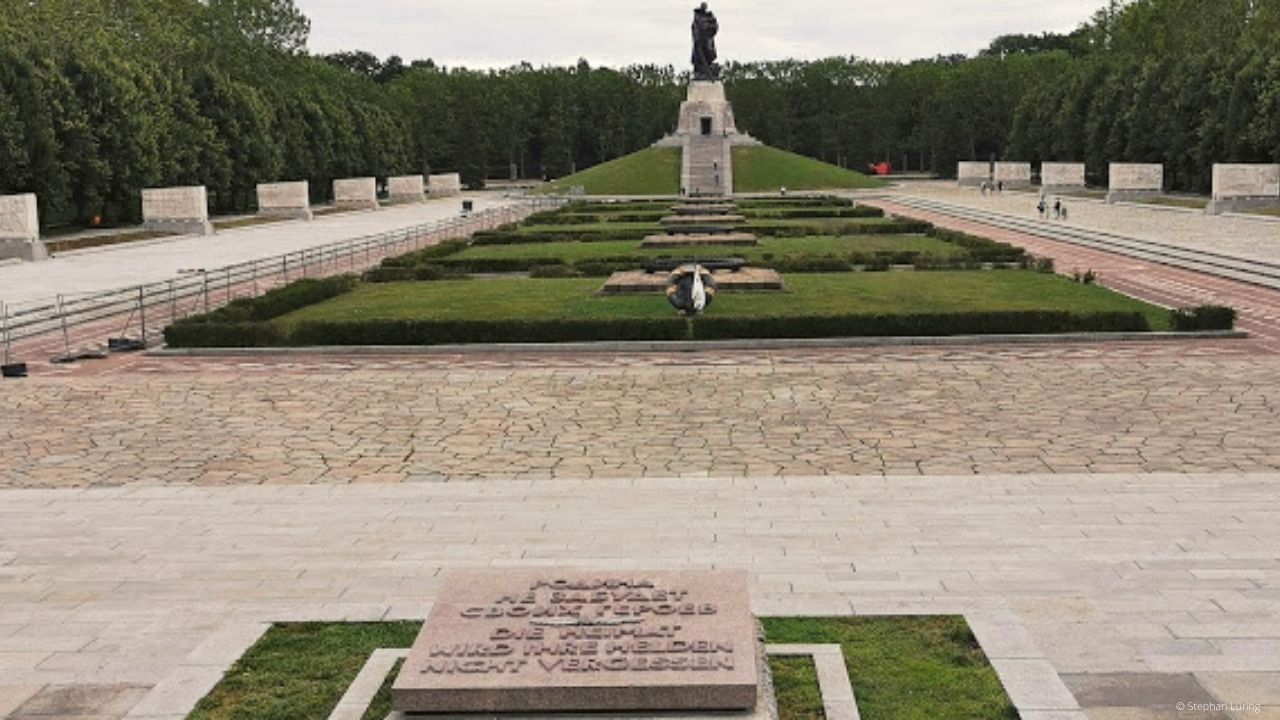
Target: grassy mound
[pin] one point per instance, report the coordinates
(655, 171)
(766, 169)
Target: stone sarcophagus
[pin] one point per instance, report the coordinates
(177, 210)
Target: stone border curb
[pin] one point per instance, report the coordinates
(359, 696)
(709, 345)
(838, 702)
(1030, 680)
(180, 691)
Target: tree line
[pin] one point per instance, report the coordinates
(102, 98)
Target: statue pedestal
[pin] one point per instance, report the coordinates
(707, 133)
(706, 113)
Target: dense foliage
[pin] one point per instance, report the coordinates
(100, 98)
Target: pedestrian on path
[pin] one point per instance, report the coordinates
(1057, 208)
(1042, 207)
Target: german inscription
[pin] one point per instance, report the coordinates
(584, 641)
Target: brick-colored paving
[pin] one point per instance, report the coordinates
(1259, 307)
(1210, 406)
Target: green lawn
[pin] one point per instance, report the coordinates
(639, 228)
(573, 252)
(901, 668)
(795, 685)
(1182, 201)
(809, 294)
(654, 171)
(766, 169)
(904, 668)
(299, 670)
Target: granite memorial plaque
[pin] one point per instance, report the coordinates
(180, 210)
(1239, 186)
(1013, 174)
(356, 193)
(973, 173)
(1054, 175)
(521, 641)
(1133, 181)
(447, 185)
(285, 199)
(407, 188)
(20, 228)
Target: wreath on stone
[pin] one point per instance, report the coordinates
(686, 294)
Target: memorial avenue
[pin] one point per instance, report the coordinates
(729, 374)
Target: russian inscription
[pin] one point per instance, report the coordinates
(582, 641)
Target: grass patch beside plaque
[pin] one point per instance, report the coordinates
(901, 668)
(795, 684)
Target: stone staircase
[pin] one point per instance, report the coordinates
(707, 165)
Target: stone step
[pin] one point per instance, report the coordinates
(744, 280)
(685, 220)
(700, 240)
(705, 208)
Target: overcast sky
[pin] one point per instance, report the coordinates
(487, 33)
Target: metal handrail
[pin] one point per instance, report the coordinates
(204, 289)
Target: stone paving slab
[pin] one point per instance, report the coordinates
(909, 411)
(127, 265)
(1080, 563)
(1259, 307)
(744, 280)
(1239, 236)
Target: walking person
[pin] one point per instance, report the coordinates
(1042, 207)
(1057, 208)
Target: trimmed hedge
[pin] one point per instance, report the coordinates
(420, 257)
(420, 273)
(591, 219)
(553, 272)
(897, 227)
(773, 202)
(500, 237)
(225, 335)
(1203, 318)
(439, 332)
(918, 325)
(979, 249)
(274, 303)
(860, 211)
(759, 227)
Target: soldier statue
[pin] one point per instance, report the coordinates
(705, 29)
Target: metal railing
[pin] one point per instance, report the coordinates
(149, 307)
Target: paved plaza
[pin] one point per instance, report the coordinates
(1135, 408)
(1105, 512)
(152, 261)
(1162, 574)
(1252, 237)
